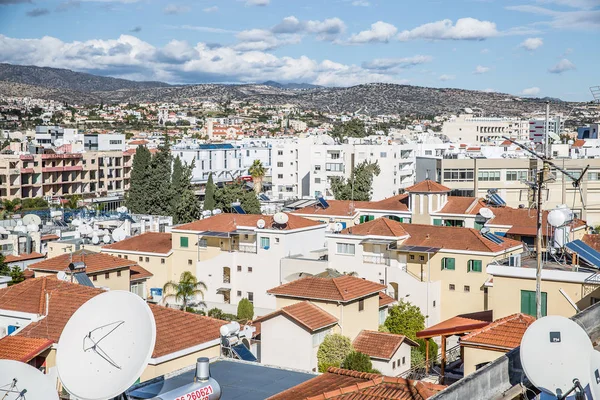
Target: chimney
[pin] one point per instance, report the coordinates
(202, 369)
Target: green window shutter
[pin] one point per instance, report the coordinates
(183, 241)
(362, 219)
(437, 222)
(476, 265)
(544, 303)
(370, 218)
(450, 264)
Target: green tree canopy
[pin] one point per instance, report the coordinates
(188, 208)
(358, 187)
(4, 268)
(160, 193)
(245, 310)
(257, 171)
(357, 361)
(137, 196)
(352, 128)
(17, 275)
(176, 182)
(236, 192)
(209, 194)
(333, 351)
(188, 288)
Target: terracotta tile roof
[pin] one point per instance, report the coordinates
(505, 333)
(336, 207)
(308, 315)
(377, 227)
(50, 237)
(506, 143)
(579, 143)
(394, 203)
(592, 240)
(230, 222)
(341, 384)
(385, 300)
(149, 242)
(138, 142)
(22, 349)
(380, 344)
(137, 273)
(459, 205)
(455, 325)
(23, 257)
(94, 262)
(344, 288)
(428, 186)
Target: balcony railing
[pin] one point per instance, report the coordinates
(380, 260)
(245, 248)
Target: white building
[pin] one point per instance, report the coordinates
(467, 128)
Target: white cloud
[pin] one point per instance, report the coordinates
(380, 32)
(532, 91)
(480, 69)
(464, 29)
(485, 51)
(581, 4)
(260, 3)
(173, 9)
(446, 77)
(388, 64)
(361, 3)
(562, 66)
(571, 20)
(210, 9)
(532, 43)
(328, 29)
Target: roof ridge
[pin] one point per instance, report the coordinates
(334, 280)
(494, 324)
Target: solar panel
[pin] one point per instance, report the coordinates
(584, 251)
(243, 353)
(238, 209)
(493, 238)
(323, 202)
(83, 279)
(496, 199)
(263, 197)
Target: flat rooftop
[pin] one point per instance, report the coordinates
(550, 263)
(238, 380)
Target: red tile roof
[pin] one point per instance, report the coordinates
(149, 242)
(137, 273)
(21, 348)
(336, 207)
(94, 262)
(385, 300)
(344, 288)
(23, 257)
(505, 333)
(579, 143)
(394, 203)
(428, 186)
(50, 237)
(341, 384)
(592, 240)
(377, 227)
(380, 344)
(230, 222)
(306, 314)
(459, 205)
(454, 325)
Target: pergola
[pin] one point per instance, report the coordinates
(459, 325)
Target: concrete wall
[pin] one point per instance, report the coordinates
(152, 371)
(285, 344)
(473, 356)
(394, 366)
(114, 282)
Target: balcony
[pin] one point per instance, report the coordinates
(245, 248)
(376, 259)
(27, 170)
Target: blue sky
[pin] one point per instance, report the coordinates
(522, 47)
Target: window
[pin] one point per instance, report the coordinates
(394, 365)
(319, 337)
(361, 305)
(428, 152)
(280, 164)
(448, 263)
(383, 154)
(335, 156)
(317, 180)
(334, 167)
(147, 259)
(516, 175)
(107, 275)
(239, 268)
(126, 257)
(451, 287)
(279, 152)
(189, 262)
(458, 175)
(183, 242)
(249, 269)
(594, 176)
(403, 360)
(251, 297)
(467, 289)
(141, 259)
(95, 278)
(162, 260)
(239, 293)
(488, 176)
(317, 167)
(434, 304)
(528, 305)
(202, 243)
(265, 243)
(280, 176)
(412, 256)
(422, 258)
(118, 273)
(345, 248)
(474, 266)
(120, 256)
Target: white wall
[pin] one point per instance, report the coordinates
(285, 344)
(386, 367)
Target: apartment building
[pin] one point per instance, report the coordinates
(56, 136)
(467, 128)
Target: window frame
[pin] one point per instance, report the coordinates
(445, 266)
(341, 248)
(471, 266)
(184, 241)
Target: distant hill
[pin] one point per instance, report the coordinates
(56, 78)
(291, 86)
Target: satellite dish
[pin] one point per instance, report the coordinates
(95, 239)
(106, 345)
(485, 230)
(76, 222)
(595, 374)
(486, 213)
(106, 239)
(62, 276)
(554, 136)
(20, 223)
(554, 351)
(280, 218)
(338, 227)
(260, 224)
(118, 235)
(30, 219)
(33, 228)
(22, 381)
(217, 211)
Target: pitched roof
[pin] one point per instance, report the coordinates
(137, 273)
(149, 242)
(336, 207)
(94, 262)
(377, 227)
(454, 325)
(22, 349)
(230, 222)
(592, 240)
(50, 237)
(341, 384)
(458, 205)
(23, 257)
(380, 344)
(385, 300)
(505, 333)
(308, 315)
(428, 186)
(394, 203)
(344, 288)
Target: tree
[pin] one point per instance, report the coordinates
(257, 171)
(215, 313)
(209, 194)
(137, 200)
(186, 289)
(188, 207)
(358, 187)
(176, 182)
(333, 351)
(236, 192)
(357, 361)
(4, 268)
(245, 310)
(17, 276)
(159, 193)
(352, 128)
(73, 202)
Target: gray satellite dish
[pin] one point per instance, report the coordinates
(22, 381)
(30, 219)
(554, 352)
(486, 213)
(106, 345)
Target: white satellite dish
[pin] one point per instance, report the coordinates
(595, 374)
(260, 224)
(33, 228)
(106, 239)
(217, 211)
(76, 222)
(106, 345)
(486, 213)
(118, 235)
(62, 276)
(554, 136)
(280, 218)
(485, 230)
(338, 227)
(554, 351)
(30, 219)
(22, 381)
(95, 239)
(20, 228)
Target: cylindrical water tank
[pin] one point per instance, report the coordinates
(560, 216)
(230, 329)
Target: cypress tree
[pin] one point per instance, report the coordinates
(176, 184)
(138, 188)
(188, 207)
(209, 195)
(160, 193)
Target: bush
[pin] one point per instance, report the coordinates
(333, 351)
(384, 329)
(405, 319)
(245, 310)
(416, 357)
(357, 361)
(216, 313)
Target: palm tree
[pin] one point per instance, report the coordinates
(257, 171)
(73, 202)
(186, 289)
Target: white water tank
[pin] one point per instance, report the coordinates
(560, 216)
(230, 329)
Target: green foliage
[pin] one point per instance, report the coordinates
(352, 128)
(17, 276)
(358, 187)
(187, 208)
(159, 193)
(384, 329)
(186, 289)
(4, 268)
(209, 194)
(34, 203)
(245, 310)
(333, 351)
(236, 192)
(176, 182)
(216, 313)
(357, 361)
(11, 205)
(137, 200)
(257, 171)
(416, 357)
(73, 201)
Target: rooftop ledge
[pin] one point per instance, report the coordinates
(547, 274)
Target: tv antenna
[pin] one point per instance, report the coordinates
(595, 93)
(541, 178)
(106, 345)
(20, 381)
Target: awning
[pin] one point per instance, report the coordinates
(377, 241)
(223, 290)
(215, 234)
(460, 324)
(417, 249)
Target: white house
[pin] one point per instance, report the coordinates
(389, 353)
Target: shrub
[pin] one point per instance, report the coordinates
(333, 351)
(216, 313)
(357, 361)
(245, 310)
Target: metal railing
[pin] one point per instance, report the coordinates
(417, 277)
(427, 369)
(245, 248)
(380, 260)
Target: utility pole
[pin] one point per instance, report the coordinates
(547, 132)
(538, 243)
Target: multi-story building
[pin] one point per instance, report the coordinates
(467, 128)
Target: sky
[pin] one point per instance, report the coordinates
(523, 47)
